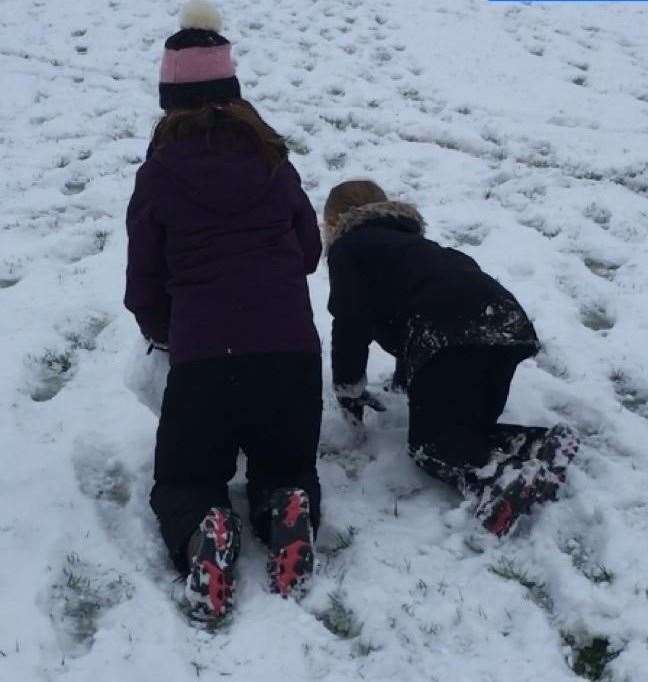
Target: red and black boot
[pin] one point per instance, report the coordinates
(213, 551)
(521, 484)
(502, 505)
(559, 449)
(290, 565)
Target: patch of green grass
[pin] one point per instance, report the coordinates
(79, 596)
(507, 569)
(591, 659)
(339, 618)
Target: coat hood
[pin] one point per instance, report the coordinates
(403, 216)
(226, 180)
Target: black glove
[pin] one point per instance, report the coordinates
(354, 407)
(156, 345)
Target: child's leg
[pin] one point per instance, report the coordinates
(195, 456)
(281, 434)
(280, 440)
(455, 401)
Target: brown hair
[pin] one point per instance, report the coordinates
(238, 118)
(350, 195)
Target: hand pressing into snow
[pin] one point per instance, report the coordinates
(353, 408)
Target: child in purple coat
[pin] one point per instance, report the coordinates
(221, 238)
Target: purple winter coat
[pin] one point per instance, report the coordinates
(218, 253)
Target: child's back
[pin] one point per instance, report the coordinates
(411, 294)
(238, 239)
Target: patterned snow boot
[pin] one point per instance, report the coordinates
(290, 564)
(557, 452)
(511, 496)
(517, 443)
(213, 550)
(559, 449)
(518, 485)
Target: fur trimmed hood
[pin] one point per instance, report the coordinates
(409, 219)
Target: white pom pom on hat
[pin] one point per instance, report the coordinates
(201, 14)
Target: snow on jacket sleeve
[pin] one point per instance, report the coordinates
(350, 306)
(147, 272)
(307, 229)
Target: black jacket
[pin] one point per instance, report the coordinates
(413, 297)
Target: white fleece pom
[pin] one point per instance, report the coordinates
(201, 14)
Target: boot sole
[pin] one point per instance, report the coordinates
(291, 558)
(210, 585)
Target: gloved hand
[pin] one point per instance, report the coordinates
(156, 345)
(353, 408)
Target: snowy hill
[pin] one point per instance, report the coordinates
(521, 131)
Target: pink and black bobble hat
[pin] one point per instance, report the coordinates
(197, 66)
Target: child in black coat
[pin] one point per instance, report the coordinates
(457, 336)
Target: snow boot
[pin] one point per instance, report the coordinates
(513, 494)
(290, 564)
(515, 442)
(213, 550)
(559, 449)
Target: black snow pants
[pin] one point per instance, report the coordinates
(268, 405)
(455, 401)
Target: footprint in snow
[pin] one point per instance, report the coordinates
(581, 66)
(48, 373)
(601, 268)
(82, 328)
(596, 318)
(472, 234)
(411, 94)
(39, 120)
(79, 595)
(382, 55)
(74, 186)
(598, 214)
(101, 476)
(630, 395)
(8, 282)
(82, 244)
(336, 161)
(336, 91)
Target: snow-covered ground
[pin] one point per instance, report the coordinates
(521, 132)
